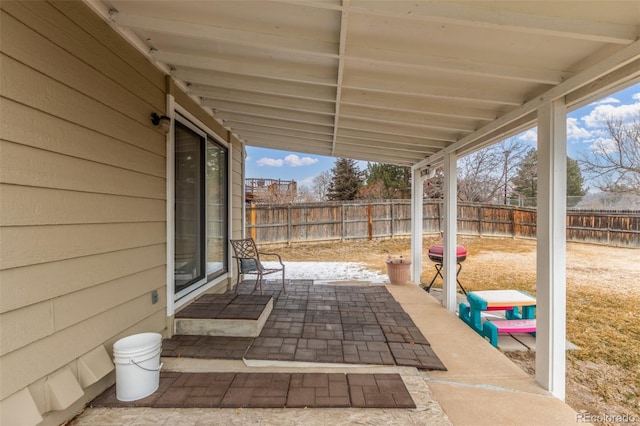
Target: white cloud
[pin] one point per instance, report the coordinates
(609, 100)
(295, 161)
(599, 115)
(574, 131)
(530, 135)
(603, 146)
(636, 96)
(270, 162)
(290, 160)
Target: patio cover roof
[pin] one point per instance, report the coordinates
(386, 81)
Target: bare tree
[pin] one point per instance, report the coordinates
(478, 177)
(320, 185)
(614, 164)
(486, 175)
(306, 195)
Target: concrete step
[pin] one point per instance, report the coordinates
(224, 315)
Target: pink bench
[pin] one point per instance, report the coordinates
(491, 329)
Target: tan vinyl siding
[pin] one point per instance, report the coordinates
(24, 125)
(29, 205)
(24, 286)
(74, 28)
(83, 190)
(40, 358)
(51, 170)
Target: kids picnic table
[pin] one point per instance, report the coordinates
(519, 310)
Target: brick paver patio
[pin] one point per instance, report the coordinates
(309, 323)
(313, 323)
(270, 390)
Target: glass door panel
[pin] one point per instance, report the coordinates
(216, 209)
(190, 262)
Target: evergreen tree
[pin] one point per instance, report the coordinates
(575, 182)
(345, 180)
(387, 181)
(526, 181)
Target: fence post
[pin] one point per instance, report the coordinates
(513, 221)
(253, 221)
(289, 224)
(480, 214)
(370, 221)
(342, 231)
(392, 219)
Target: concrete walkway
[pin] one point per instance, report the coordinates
(481, 386)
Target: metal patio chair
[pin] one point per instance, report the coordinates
(248, 260)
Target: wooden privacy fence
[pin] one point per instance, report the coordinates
(288, 223)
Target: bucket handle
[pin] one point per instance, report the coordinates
(148, 369)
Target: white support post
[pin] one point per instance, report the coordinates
(416, 225)
(551, 250)
(449, 299)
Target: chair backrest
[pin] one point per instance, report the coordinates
(245, 248)
(246, 253)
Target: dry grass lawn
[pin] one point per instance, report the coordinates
(603, 300)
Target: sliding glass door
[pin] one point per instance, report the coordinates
(216, 210)
(200, 208)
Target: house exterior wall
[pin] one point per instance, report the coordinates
(82, 196)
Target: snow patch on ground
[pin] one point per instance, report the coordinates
(329, 271)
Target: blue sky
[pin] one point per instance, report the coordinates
(585, 127)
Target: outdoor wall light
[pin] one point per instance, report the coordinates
(428, 172)
(162, 121)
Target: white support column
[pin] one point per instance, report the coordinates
(450, 230)
(551, 250)
(416, 225)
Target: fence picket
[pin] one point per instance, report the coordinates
(383, 219)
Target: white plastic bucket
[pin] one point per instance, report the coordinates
(137, 360)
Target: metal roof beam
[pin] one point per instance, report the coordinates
(401, 87)
(278, 113)
(308, 74)
(258, 99)
(414, 104)
(298, 45)
(392, 139)
(244, 119)
(415, 119)
(375, 56)
(223, 80)
(448, 12)
(344, 22)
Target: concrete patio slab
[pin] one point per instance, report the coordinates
(480, 405)
(507, 343)
(482, 386)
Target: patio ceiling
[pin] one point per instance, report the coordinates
(386, 81)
